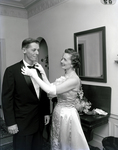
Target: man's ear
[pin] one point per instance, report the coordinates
(24, 50)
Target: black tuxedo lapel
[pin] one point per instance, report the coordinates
(28, 81)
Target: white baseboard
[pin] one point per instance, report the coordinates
(101, 132)
(97, 141)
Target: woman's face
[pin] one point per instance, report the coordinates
(66, 61)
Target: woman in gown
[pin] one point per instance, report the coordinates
(66, 132)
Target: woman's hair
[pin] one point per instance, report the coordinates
(28, 41)
(75, 58)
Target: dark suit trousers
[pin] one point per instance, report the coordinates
(28, 142)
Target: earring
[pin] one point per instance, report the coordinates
(71, 66)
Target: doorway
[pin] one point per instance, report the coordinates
(43, 55)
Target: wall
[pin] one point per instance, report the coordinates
(12, 31)
(57, 25)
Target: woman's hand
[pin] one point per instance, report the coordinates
(40, 68)
(28, 72)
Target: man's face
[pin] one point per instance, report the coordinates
(31, 53)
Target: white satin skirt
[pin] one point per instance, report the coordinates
(67, 133)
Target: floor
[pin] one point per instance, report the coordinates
(6, 139)
(46, 147)
(10, 147)
(6, 147)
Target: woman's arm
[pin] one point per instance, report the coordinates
(67, 85)
(57, 89)
(50, 88)
(42, 71)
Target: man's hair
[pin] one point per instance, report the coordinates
(28, 41)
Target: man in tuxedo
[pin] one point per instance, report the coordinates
(24, 103)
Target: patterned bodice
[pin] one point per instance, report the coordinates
(68, 98)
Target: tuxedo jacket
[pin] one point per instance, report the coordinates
(20, 103)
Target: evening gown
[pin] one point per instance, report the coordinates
(66, 132)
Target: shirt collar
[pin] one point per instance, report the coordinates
(26, 64)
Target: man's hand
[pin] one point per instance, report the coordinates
(46, 119)
(13, 129)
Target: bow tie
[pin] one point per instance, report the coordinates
(31, 67)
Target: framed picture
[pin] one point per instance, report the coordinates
(91, 46)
